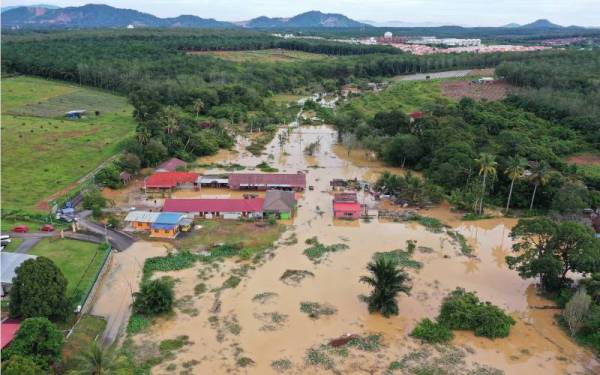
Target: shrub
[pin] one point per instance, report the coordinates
(20, 365)
(432, 332)
(576, 311)
(137, 323)
(154, 297)
(37, 339)
(39, 290)
(492, 322)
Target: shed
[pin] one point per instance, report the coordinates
(9, 263)
(141, 220)
(166, 225)
(75, 114)
(266, 181)
(214, 181)
(125, 177)
(226, 208)
(170, 180)
(346, 210)
(8, 331)
(171, 165)
(279, 202)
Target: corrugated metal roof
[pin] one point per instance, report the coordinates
(142, 216)
(339, 206)
(169, 218)
(279, 201)
(170, 179)
(9, 329)
(10, 262)
(261, 179)
(214, 205)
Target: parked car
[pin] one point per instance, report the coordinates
(21, 229)
(47, 228)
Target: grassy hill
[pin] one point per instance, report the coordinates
(43, 153)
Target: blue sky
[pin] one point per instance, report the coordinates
(463, 12)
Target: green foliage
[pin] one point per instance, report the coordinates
(371, 343)
(20, 365)
(265, 167)
(400, 257)
(109, 177)
(93, 200)
(317, 251)
(199, 289)
(462, 310)
(37, 339)
(409, 187)
(431, 332)
(137, 323)
(231, 282)
(430, 223)
(387, 281)
(465, 248)
(171, 345)
(154, 297)
(39, 290)
(171, 262)
(315, 310)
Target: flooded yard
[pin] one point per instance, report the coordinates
(258, 326)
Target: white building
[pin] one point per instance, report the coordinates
(388, 35)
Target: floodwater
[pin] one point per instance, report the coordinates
(228, 325)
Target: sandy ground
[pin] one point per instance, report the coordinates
(240, 327)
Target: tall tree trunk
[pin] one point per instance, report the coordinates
(482, 194)
(533, 197)
(512, 183)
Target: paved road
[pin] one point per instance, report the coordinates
(30, 240)
(119, 240)
(423, 76)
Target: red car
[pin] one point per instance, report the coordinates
(21, 229)
(47, 228)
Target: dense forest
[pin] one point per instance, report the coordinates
(173, 91)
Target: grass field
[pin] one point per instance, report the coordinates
(44, 153)
(84, 333)
(407, 96)
(264, 55)
(79, 261)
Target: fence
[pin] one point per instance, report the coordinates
(86, 300)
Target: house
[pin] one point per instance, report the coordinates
(280, 203)
(76, 114)
(166, 225)
(212, 208)
(125, 177)
(141, 220)
(170, 180)
(8, 331)
(9, 262)
(213, 181)
(171, 165)
(267, 181)
(338, 184)
(415, 116)
(346, 210)
(347, 197)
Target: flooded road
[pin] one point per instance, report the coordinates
(247, 328)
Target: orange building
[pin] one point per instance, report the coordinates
(167, 225)
(141, 220)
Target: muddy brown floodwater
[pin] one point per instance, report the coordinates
(239, 326)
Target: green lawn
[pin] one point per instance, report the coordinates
(44, 153)
(264, 55)
(79, 261)
(85, 332)
(14, 243)
(407, 96)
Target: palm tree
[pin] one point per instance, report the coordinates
(487, 166)
(540, 175)
(387, 281)
(95, 360)
(143, 136)
(170, 120)
(514, 170)
(198, 106)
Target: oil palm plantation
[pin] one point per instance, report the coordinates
(387, 280)
(539, 176)
(487, 166)
(514, 171)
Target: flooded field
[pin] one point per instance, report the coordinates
(258, 327)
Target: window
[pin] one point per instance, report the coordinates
(348, 214)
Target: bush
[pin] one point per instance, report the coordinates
(576, 311)
(39, 290)
(463, 311)
(37, 339)
(431, 332)
(20, 365)
(154, 297)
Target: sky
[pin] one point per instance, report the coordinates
(458, 12)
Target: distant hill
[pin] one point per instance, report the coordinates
(541, 24)
(98, 16)
(310, 19)
(511, 25)
(47, 6)
(396, 23)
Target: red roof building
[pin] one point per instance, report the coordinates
(415, 115)
(215, 207)
(170, 180)
(345, 197)
(8, 330)
(346, 210)
(171, 165)
(264, 181)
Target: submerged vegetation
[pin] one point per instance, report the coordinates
(318, 251)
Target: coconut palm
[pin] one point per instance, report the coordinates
(387, 281)
(143, 136)
(514, 171)
(96, 360)
(539, 176)
(198, 106)
(487, 166)
(170, 120)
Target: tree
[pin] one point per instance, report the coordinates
(37, 339)
(572, 197)
(487, 166)
(96, 360)
(170, 119)
(514, 171)
(198, 106)
(401, 149)
(154, 297)
(109, 176)
(539, 177)
(130, 163)
(39, 290)
(20, 365)
(387, 281)
(592, 286)
(576, 311)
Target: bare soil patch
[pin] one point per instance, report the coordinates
(584, 159)
(489, 91)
